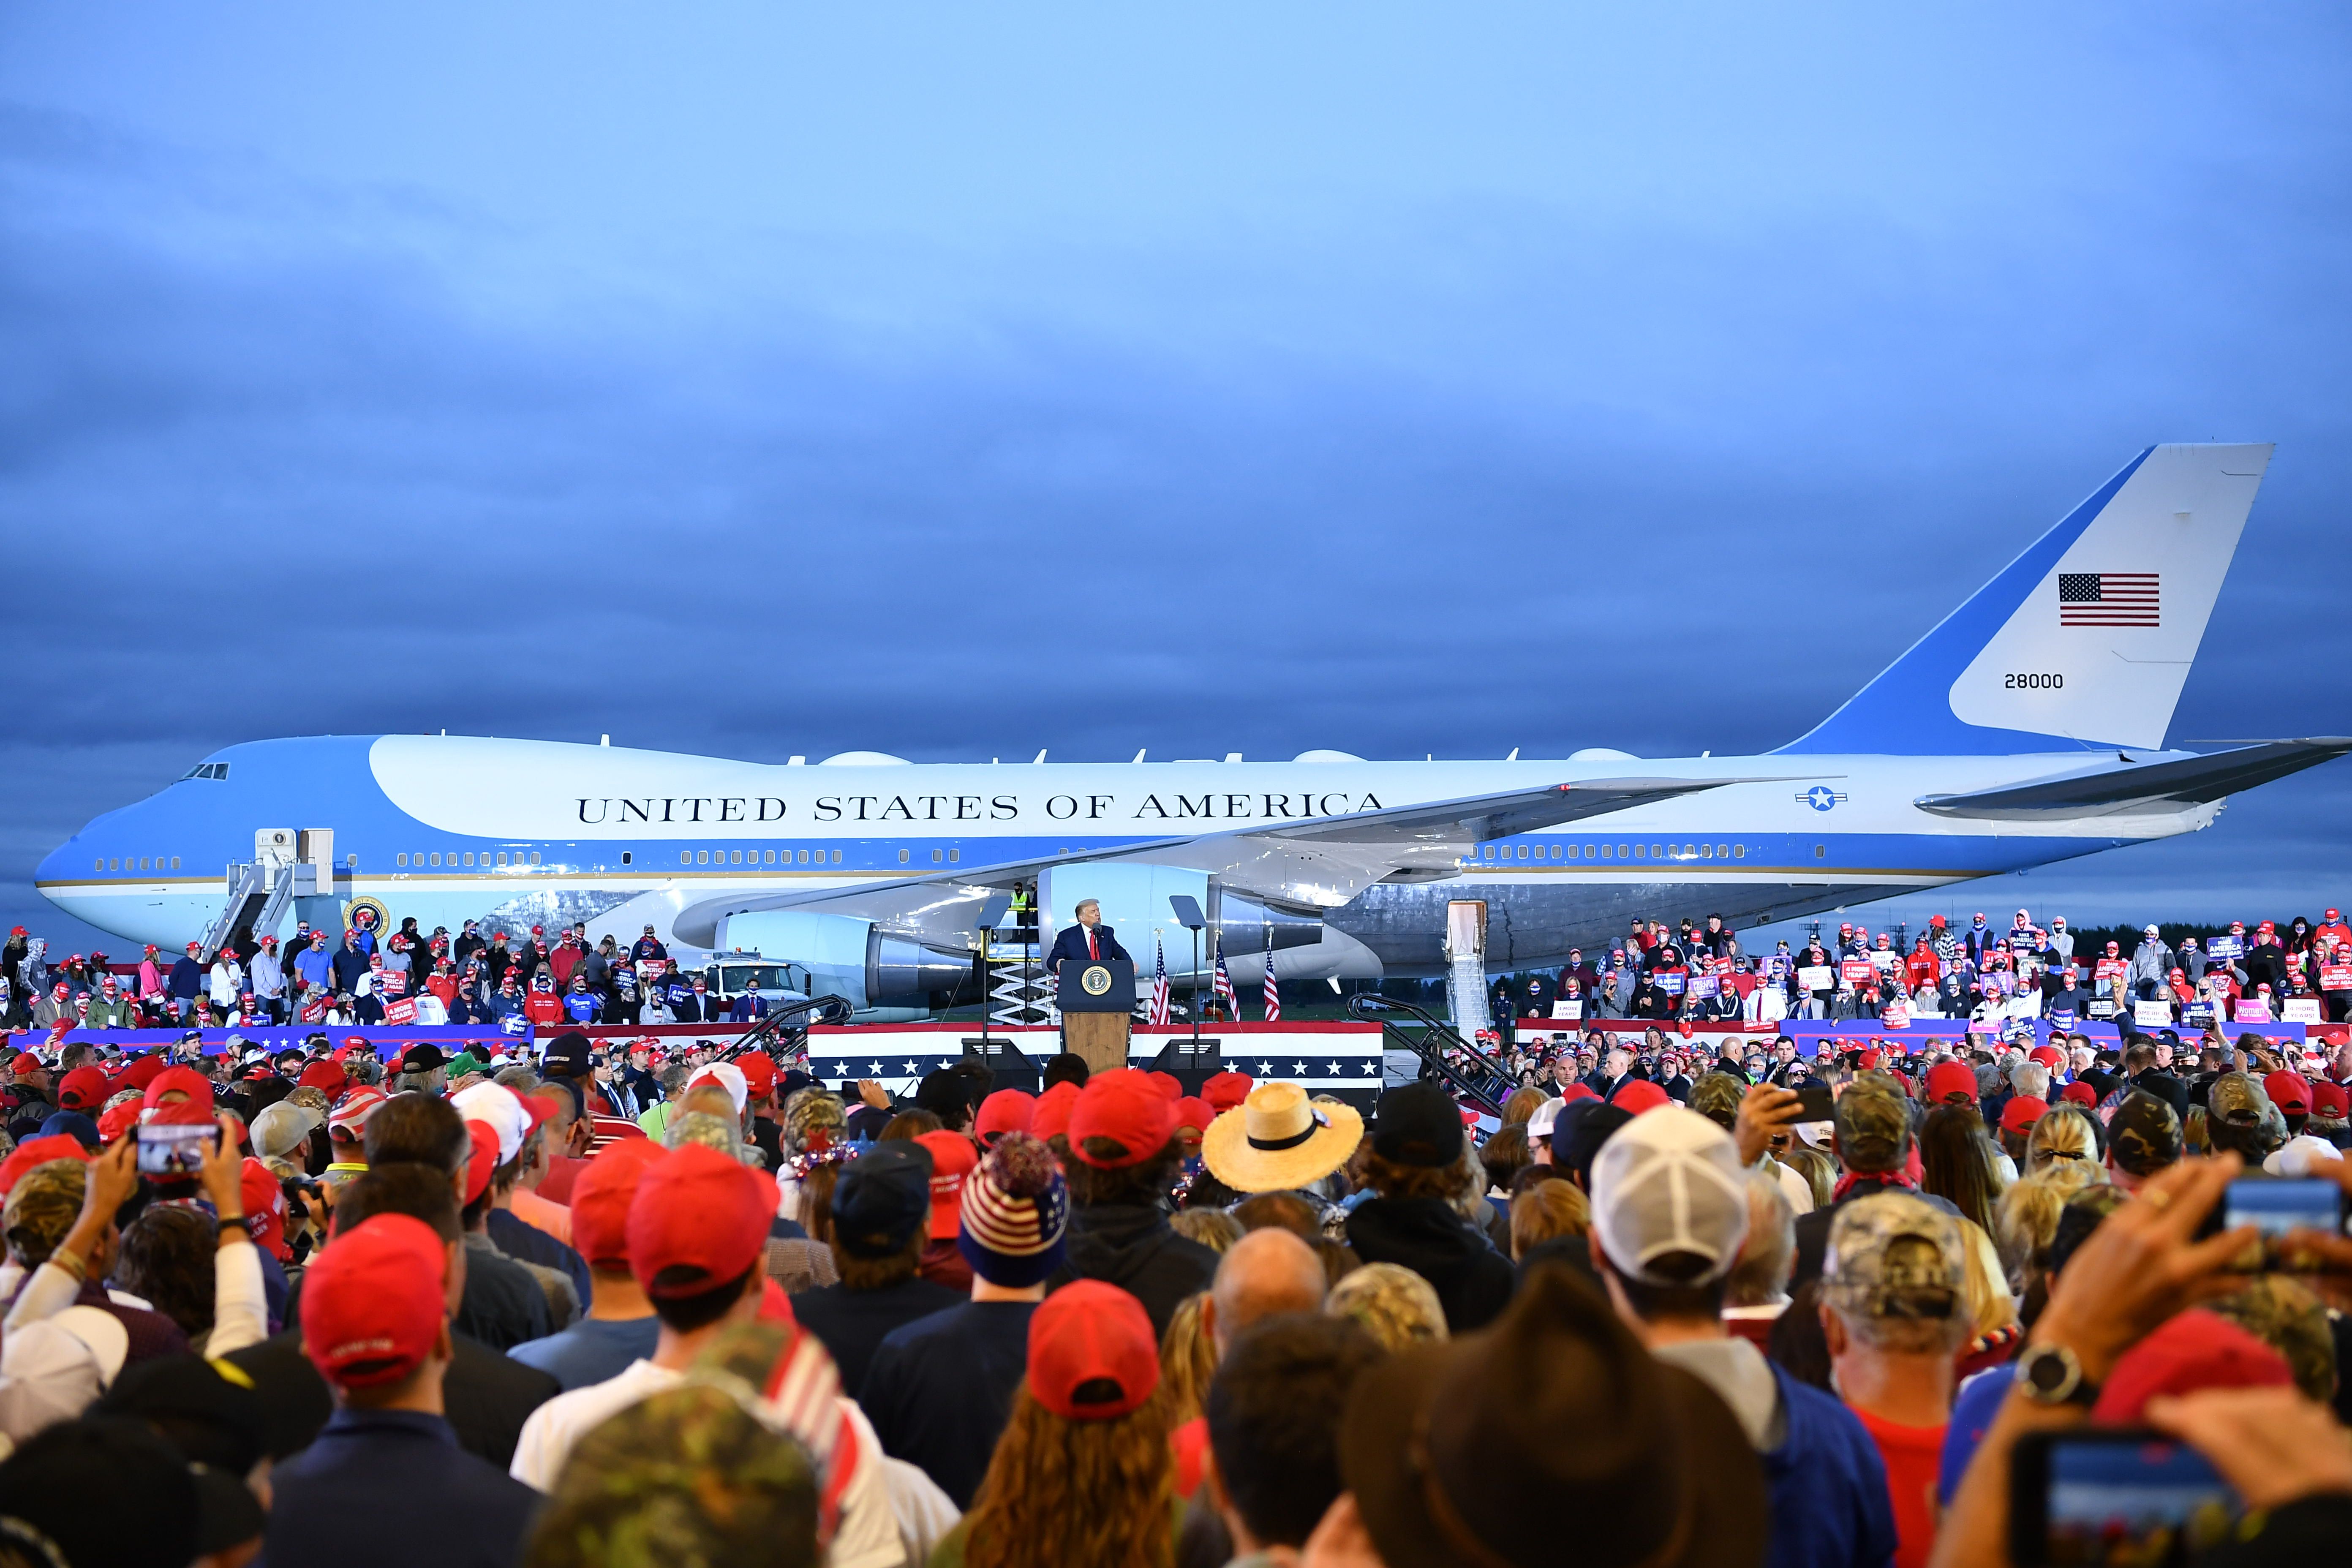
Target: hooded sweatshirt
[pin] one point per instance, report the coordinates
(1473, 1282)
(1135, 1249)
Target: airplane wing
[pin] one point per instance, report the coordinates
(2148, 787)
(1320, 862)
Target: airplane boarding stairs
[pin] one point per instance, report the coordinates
(1448, 1060)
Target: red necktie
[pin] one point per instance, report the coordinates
(1091, 951)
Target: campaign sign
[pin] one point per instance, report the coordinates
(2253, 1010)
(1897, 1015)
(1816, 977)
(1570, 1010)
(400, 1013)
(1855, 971)
(2300, 1010)
(1703, 987)
(2335, 977)
(2152, 1015)
(2225, 947)
(1670, 981)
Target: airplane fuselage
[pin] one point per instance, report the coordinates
(518, 833)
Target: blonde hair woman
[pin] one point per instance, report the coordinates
(2064, 1134)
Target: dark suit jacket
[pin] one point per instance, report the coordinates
(1072, 943)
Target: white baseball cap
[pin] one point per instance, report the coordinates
(729, 1077)
(496, 1106)
(1669, 1182)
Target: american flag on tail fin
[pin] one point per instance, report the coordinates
(1158, 981)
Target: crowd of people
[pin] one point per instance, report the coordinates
(363, 977)
(2266, 972)
(662, 1301)
(592, 1305)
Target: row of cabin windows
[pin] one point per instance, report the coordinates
(454, 857)
(1621, 852)
(136, 863)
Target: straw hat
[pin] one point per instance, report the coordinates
(1278, 1139)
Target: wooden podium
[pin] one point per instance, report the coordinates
(1097, 999)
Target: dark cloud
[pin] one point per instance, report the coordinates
(1464, 472)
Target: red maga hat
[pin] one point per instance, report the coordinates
(1127, 1108)
(698, 1210)
(373, 1303)
(2020, 1114)
(1092, 1354)
(602, 1196)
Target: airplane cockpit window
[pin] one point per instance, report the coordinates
(207, 770)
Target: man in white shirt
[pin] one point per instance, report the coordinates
(698, 1231)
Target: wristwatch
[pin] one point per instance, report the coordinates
(2049, 1374)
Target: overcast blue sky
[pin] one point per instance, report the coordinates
(762, 379)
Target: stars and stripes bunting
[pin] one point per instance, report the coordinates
(2108, 599)
(1158, 981)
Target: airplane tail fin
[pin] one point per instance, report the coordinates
(2087, 638)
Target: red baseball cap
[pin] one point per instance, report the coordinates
(1194, 1113)
(2330, 1100)
(2080, 1094)
(601, 1197)
(114, 1124)
(2048, 1056)
(142, 1072)
(1945, 1079)
(26, 1062)
(1092, 1354)
(1126, 1106)
(2290, 1092)
(84, 1089)
(698, 1210)
(328, 1076)
(952, 1159)
(1577, 1091)
(373, 1303)
(1050, 1117)
(2020, 1114)
(1226, 1090)
(1637, 1095)
(1167, 1085)
(35, 1151)
(759, 1070)
(1006, 1110)
(178, 1081)
(2195, 1348)
(482, 1159)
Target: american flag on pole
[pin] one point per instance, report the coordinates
(2107, 599)
(1226, 996)
(1158, 981)
(1273, 992)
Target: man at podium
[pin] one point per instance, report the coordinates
(1088, 940)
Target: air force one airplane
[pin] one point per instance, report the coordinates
(2028, 727)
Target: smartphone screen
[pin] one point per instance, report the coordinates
(1815, 1103)
(2276, 1207)
(2119, 1497)
(174, 1149)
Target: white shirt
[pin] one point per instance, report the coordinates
(226, 979)
(868, 1536)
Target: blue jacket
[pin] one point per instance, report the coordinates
(1072, 943)
(187, 981)
(393, 1487)
(748, 1006)
(1830, 1503)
